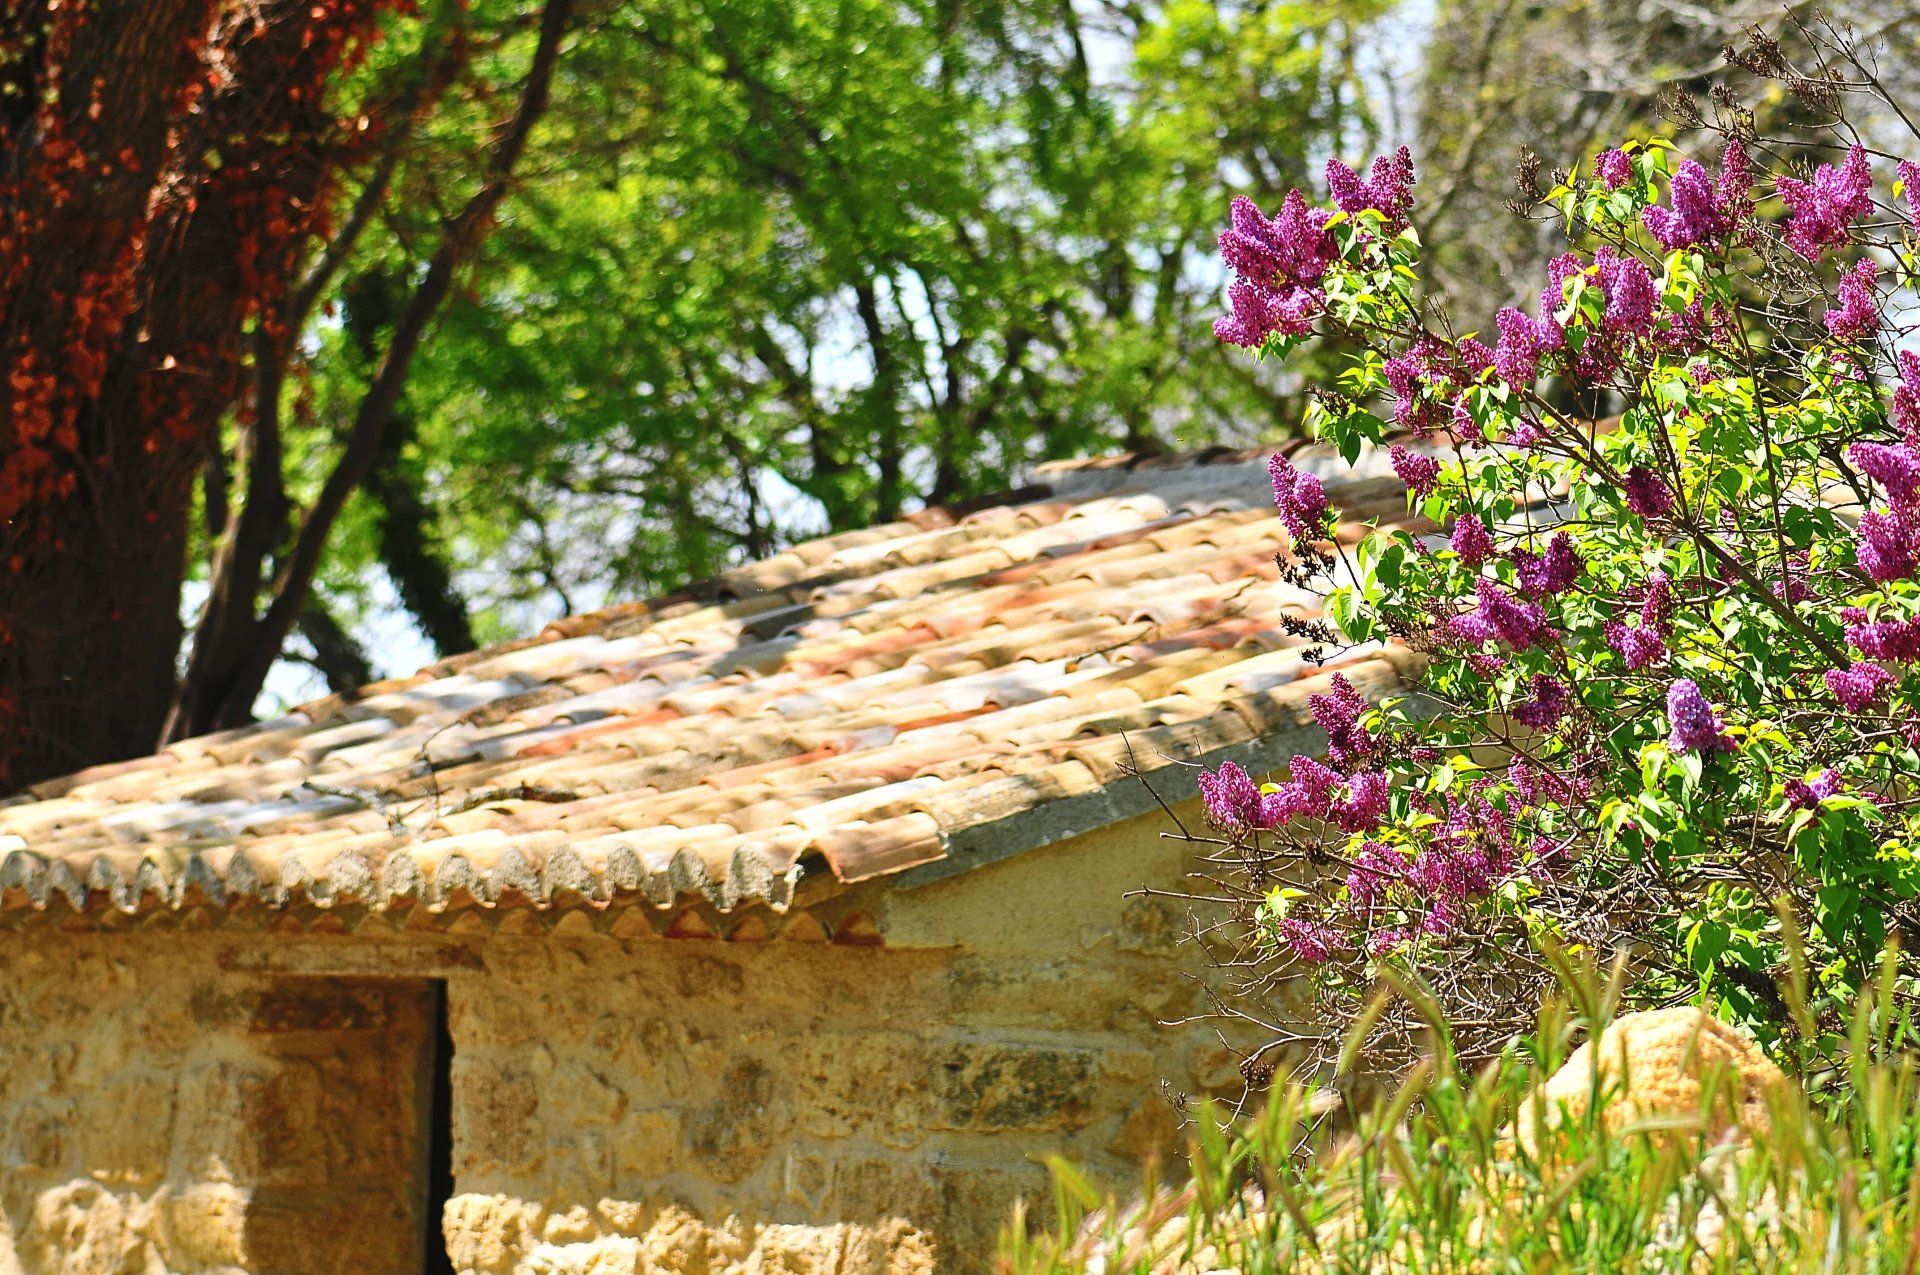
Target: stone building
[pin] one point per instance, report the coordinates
(779, 924)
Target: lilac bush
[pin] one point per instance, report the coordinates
(1672, 647)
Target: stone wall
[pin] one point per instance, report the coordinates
(864, 1086)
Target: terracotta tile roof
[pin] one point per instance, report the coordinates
(911, 698)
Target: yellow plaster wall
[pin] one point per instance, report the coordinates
(632, 1104)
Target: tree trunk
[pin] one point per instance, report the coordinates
(95, 628)
(152, 206)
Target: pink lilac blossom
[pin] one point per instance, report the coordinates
(1820, 212)
(1640, 647)
(1229, 796)
(1471, 540)
(1256, 314)
(1562, 268)
(1630, 291)
(1387, 188)
(1546, 706)
(1375, 869)
(1647, 493)
(1338, 712)
(1615, 168)
(1499, 618)
(1535, 786)
(1792, 587)
(1291, 249)
(1280, 262)
(1688, 332)
(1420, 379)
(1906, 396)
(1550, 573)
(1909, 174)
(1696, 727)
(1365, 807)
(1517, 357)
(1656, 607)
(1475, 358)
(1702, 210)
(1897, 468)
(1307, 794)
(1301, 499)
(1311, 942)
(1888, 545)
(1894, 641)
(1858, 313)
(1858, 685)
(1416, 469)
(1808, 794)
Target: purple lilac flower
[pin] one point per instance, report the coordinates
(1550, 573)
(1639, 646)
(1696, 728)
(1685, 332)
(1894, 641)
(1338, 712)
(1471, 540)
(1416, 469)
(1906, 396)
(1821, 212)
(1307, 794)
(1909, 174)
(1280, 263)
(1365, 808)
(1858, 685)
(1375, 869)
(1547, 705)
(1257, 313)
(1792, 587)
(1291, 249)
(1615, 168)
(1517, 358)
(1387, 188)
(1630, 291)
(1562, 268)
(1525, 434)
(1858, 313)
(1886, 547)
(1408, 375)
(1311, 942)
(1808, 794)
(1229, 796)
(1499, 618)
(1301, 499)
(1535, 786)
(1476, 359)
(1888, 544)
(1897, 468)
(1702, 211)
(1647, 493)
(1657, 605)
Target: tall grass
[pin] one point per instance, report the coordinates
(1429, 1176)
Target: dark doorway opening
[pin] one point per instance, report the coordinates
(439, 1171)
(347, 1103)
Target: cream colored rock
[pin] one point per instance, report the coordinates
(1658, 1063)
(200, 1227)
(1665, 1062)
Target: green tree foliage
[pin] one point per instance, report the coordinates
(781, 269)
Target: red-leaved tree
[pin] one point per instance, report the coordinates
(177, 182)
